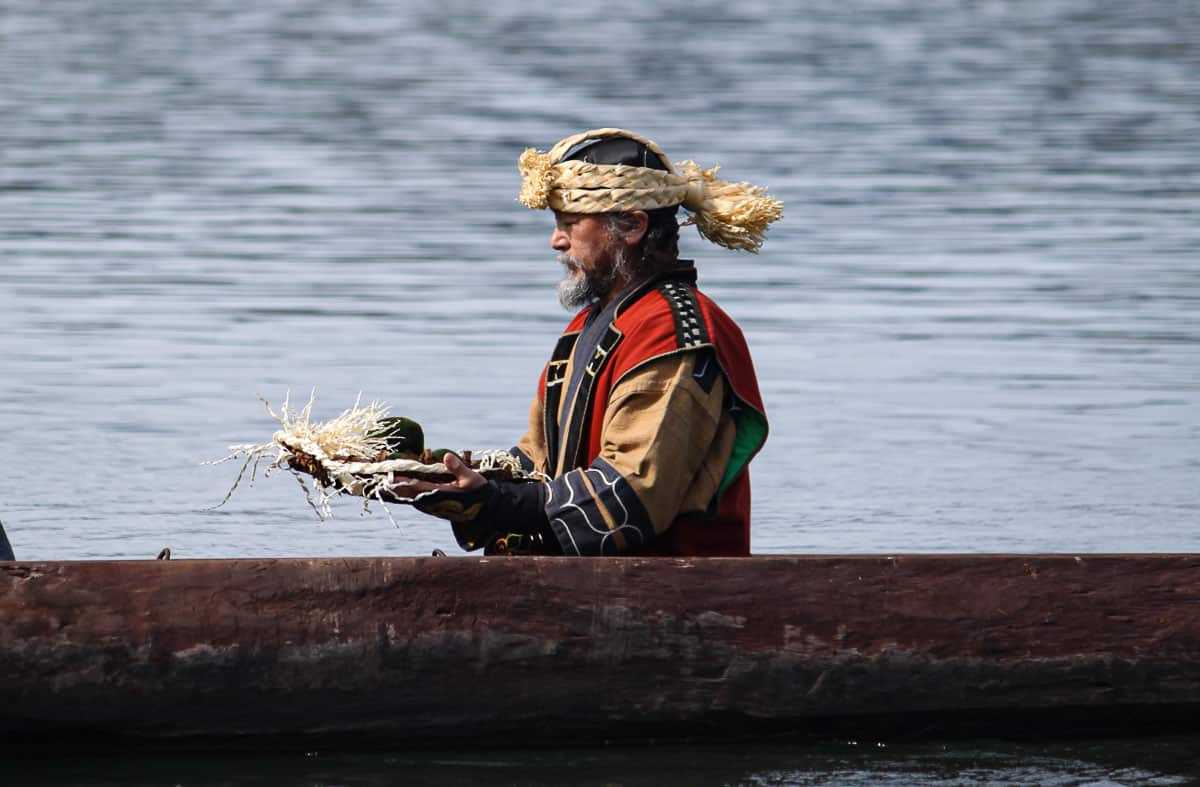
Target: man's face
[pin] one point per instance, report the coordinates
(587, 249)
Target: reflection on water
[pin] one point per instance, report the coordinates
(844, 763)
(975, 327)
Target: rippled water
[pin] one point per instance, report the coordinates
(976, 328)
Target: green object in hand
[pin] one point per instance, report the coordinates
(403, 437)
(439, 454)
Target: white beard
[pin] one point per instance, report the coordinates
(578, 288)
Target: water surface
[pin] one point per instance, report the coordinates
(975, 328)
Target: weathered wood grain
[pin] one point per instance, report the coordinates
(587, 649)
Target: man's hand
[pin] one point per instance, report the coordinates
(483, 513)
(465, 480)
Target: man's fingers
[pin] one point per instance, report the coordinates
(464, 476)
(410, 487)
(404, 488)
(455, 465)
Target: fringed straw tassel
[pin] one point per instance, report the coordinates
(733, 215)
(537, 178)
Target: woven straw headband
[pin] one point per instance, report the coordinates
(733, 215)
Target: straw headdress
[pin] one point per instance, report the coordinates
(733, 215)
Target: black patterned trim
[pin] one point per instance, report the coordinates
(581, 409)
(576, 505)
(690, 330)
(556, 374)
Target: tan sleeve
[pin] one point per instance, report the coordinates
(667, 433)
(532, 446)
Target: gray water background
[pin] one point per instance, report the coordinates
(975, 329)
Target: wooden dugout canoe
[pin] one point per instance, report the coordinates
(411, 650)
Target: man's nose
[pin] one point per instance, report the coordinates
(559, 240)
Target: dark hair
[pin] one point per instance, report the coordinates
(660, 244)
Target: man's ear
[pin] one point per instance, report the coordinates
(635, 235)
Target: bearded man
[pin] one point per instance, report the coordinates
(648, 413)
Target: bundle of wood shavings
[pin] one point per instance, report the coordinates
(345, 455)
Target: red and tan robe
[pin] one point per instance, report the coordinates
(649, 453)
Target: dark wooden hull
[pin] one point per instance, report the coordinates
(409, 650)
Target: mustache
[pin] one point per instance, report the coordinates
(569, 262)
